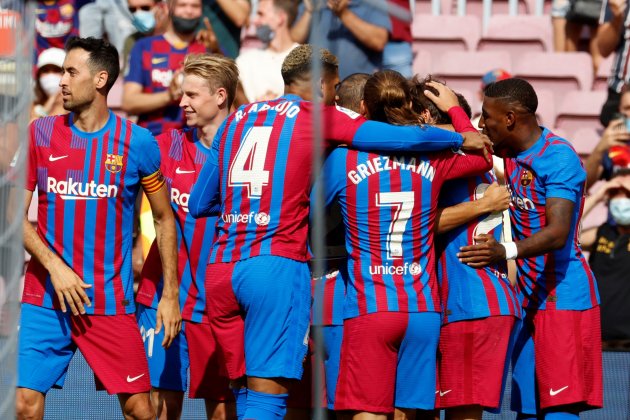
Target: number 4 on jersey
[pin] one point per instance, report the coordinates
(248, 167)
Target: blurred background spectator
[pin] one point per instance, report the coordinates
(259, 68)
(227, 18)
(48, 99)
(55, 22)
(490, 77)
(106, 19)
(398, 54)
(149, 17)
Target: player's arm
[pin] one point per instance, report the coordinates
(168, 311)
(204, 197)
(136, 102)
(69, 287)
(550, 238)
(496, 198)
(368, 34)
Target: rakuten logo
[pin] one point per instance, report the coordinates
(523, 203)
(414, 269)
(261, 219)
(74, 190)
(181, 199)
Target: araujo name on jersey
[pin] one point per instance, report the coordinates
(287, 108)
(75, 190)
(390, 163)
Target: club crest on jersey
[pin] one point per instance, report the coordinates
(113, 163)
(526, 178)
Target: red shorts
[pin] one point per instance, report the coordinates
(112, 346)
(471, 362)
(568, 357)
(208, 377)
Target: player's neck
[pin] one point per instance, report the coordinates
(281, 41)
(93, 118)
(179, 41)
(206, 133)
(527, 138)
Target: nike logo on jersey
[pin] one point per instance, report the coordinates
(130, 379)
(179, 171)
(158, 60)
(445, 392)
(552, 392)
(55, 158)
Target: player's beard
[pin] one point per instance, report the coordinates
(77, 105)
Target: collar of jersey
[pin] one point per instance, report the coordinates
(536, 146)
(94, 134)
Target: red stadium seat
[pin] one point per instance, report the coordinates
(559, 72)
(579, 109)
(585, 139)
(517, 34)
(438, 34)
(603, 71)
(462, 70)
(546, 111)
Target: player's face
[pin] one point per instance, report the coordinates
(187, 9)
(492, 123)
(199, 103)
(78, 83)
(329, 82)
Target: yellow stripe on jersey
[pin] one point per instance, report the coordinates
(152, 183)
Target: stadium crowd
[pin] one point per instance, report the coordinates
(452, 250)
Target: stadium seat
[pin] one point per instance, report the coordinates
(546, 111)
(585, 139)
(475, 7)
(560, 72)
(425, 7)
(517, 34)
(463, 70)
(579, 109)
(114, 98)
(603, 71)
(438, 34)
(422, 63)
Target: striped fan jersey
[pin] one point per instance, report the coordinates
(467, 292)
(260, 172)
(560, 279)
(389, 203)
(152, 63)
(87, 186)
(183, 156)
(55, 23)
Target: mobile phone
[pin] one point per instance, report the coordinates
(626, 123)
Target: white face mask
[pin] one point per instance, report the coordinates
(50, 83)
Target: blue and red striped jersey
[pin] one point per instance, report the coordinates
(389, 203)
(55, 23)
(183, 156)
(560, 279)
(329, 292)
(467, 292)
(260, 172)
(152, 63)
(87, 186)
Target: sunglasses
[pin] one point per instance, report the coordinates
(134, 9)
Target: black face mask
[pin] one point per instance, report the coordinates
(185, 26)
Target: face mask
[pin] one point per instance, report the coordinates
(144, 21)
(50, 83)
(264, 33)
(620, 210)
(185, 26)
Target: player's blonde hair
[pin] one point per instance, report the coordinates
(297, 65)
(218, 71)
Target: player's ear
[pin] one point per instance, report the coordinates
(363, 109)
(510, 118)
(221, 97)
(100, 79)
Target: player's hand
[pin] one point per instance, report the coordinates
(445, 99)
(475, 141)
(208, 37)
(169, 317)
(496, 198)
(485, 252)
(69, 287)
(175, 87)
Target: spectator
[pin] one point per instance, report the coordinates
(260, 68)
(613, 150)
(149, 17)
(48, 99)
(55, 22)
(397, 54)
(100, 18)
(152, 86)
(573, 34)
(227, 17)
(559, 9)
(357, 31)
(609, 245)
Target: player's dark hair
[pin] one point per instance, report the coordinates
(297, 64)
(420, 102)
(386, 97)
(103, 56)
(514, 91)
(350, 91)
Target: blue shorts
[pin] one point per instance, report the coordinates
(168, 367)
(332, 351)
(259, 310)
(524, 393)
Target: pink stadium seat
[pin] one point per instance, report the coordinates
(559, 72)
(475, 7)
(422, 63)
(603, 71)
(546, 111)
(517, 34)
(114, 98)
(579, 109)
(585, 139)
(462, 70)
(438, 34)
(424, 7)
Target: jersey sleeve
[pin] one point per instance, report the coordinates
(374, 135)
(134, 71)
(331, 180)
(148, 161)
(460, 120)
(205, 195)
(31, 161)
(461, 165)
(562, 173)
